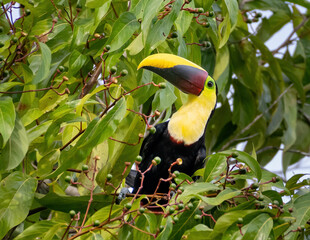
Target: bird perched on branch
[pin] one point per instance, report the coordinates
(183, 136)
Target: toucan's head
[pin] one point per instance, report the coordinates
(182, 73)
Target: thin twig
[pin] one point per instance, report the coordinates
(288, 40)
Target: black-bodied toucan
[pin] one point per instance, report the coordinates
(183, 136)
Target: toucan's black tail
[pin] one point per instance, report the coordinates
(130, 179)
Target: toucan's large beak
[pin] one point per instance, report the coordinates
(184, 74)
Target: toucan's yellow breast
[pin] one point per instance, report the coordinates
(187, 125)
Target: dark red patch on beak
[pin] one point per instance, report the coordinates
(188, 79)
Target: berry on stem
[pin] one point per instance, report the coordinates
(109, 177)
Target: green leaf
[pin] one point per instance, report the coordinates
(103, 214)
(167, 230)
(164, 98)
(46, 163)
(76, 62)
(303, 3)
(45, 229)
(248, 160)
(271, 25)
(199, 232)
(7, 118)
(221, 71)
(128, 131)
(16, 195)
(259, 228)
(4, 87)
(294, 184)
(290, 118)
(122, 30)
(50, 100)
(95, 3)
(224, 195)
(232, 8)
(45, 63)
(150, 12)
(227, 220)
(15, 149)
(80, 104)
(31, 115)
(186, 221)
(96, 132)
(159, 32)
(216, 164)
(65, 203)
(194, 189)
(301, 212)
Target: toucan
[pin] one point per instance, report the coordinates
(183, 136)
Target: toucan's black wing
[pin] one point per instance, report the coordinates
(161, 145)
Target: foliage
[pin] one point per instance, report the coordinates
(74, 109)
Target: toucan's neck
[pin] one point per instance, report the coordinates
(187, 125)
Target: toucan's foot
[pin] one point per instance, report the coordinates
(122, 195)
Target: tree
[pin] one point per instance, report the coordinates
(74, 111)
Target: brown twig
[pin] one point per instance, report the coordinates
(288, 40)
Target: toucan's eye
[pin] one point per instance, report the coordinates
(210, 84)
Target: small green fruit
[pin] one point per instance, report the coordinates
(240, 220)
(206, 44)
(254, 186)
(171, 210)
(200, 10)
(68, 179)
(27, 12)
(206, 24)
(172, 186)
(176, 173)
(61, 68)
(79, 5)
(72, 213)
(161, 228)
(258, 15)
(157, 160)
(141, 210)
(14, 39)
(1, 44)
(124, 73)
(260, 198)
(242, 171)
(180, 206)
(181, 189)
(190, 205)
(211, 14)
(113, 70)
(162, 85)
(5, 73)
(128, 206)
(197, 217)
(175, 219)
(275, 202)
(152, 130)
(108, 47)
(138, 158)
(96, 223)
(174, 35)
(235, 155)
(84, 167)
(248, 21)
(109, 177)
(1, 58)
